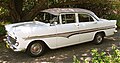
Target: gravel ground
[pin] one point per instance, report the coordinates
(59, 55)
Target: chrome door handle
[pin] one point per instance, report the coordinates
(77, 25)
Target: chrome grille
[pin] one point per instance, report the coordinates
(11, 40)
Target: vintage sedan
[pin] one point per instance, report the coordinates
(56, 28)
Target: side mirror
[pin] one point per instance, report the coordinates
(95, 23)
(55, 23)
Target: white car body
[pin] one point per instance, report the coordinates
(57, 35)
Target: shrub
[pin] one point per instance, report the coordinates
(2, 28)
(75, 60)
(103, 57)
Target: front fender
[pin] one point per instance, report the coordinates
(50, 42)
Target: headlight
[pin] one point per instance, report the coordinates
(16, 44)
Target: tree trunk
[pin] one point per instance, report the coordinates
(13, 12)
(18, 7)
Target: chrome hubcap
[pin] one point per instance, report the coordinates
(99, 39)
(36, 48)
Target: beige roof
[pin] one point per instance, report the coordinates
(57, 11)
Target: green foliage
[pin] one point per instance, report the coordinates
(98, 57)
(100, 7)
(115, 17)
(4, 0)
(115, 12)
(0, 45)
(3, 13)
(112, 56)
(75, 60)
(2, 10)
(28, 4)
(2, 28)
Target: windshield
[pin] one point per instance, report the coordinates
(47, 17)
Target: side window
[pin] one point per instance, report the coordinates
(85, 18)
(47, 18)
(68, 18)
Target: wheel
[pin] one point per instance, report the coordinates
(36, 49)
(98, 39)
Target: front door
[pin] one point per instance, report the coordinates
(66, 31)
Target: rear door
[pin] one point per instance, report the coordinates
(88, 25)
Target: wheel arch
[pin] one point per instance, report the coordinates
(99, 40)
(37, 41)
(102, 32)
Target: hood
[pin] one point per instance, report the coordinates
(23, 25)
(24, 29)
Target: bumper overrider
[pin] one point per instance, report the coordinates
(11, 43)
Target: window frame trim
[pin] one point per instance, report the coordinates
(95, 19)
(60, 17)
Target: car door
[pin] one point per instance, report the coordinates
(66, 31)
(88, 25)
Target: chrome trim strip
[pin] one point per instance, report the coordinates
(69, 34)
